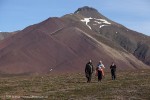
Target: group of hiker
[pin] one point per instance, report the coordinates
(99, 71)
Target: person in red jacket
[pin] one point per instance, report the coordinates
(113, 71)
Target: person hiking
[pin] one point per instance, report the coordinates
(88, 71)
(100, 71)
(113, 71)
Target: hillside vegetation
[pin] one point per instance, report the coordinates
(130, 85)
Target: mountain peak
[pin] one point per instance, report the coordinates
(88, 12)
(85, 8)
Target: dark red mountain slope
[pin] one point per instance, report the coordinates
(65, 45)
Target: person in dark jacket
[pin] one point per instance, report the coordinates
(88, 71)
(113, 71)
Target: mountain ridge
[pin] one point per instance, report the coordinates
(65, 44)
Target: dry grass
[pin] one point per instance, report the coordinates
(131, 85)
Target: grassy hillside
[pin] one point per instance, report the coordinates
(128, 86)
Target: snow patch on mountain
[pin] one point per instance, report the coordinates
(94, 24)
(101, 22)
(102, 26)
(98, 22)
(50, 70)
(87, 20)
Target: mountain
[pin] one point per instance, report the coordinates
(135, 43)
(67, 43)
(4, 35)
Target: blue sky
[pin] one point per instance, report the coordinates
(18, 14)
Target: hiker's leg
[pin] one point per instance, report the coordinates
(114, 75)
(99, 75)
(90, 76)
(87, 79)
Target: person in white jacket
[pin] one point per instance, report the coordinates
(100, 71)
